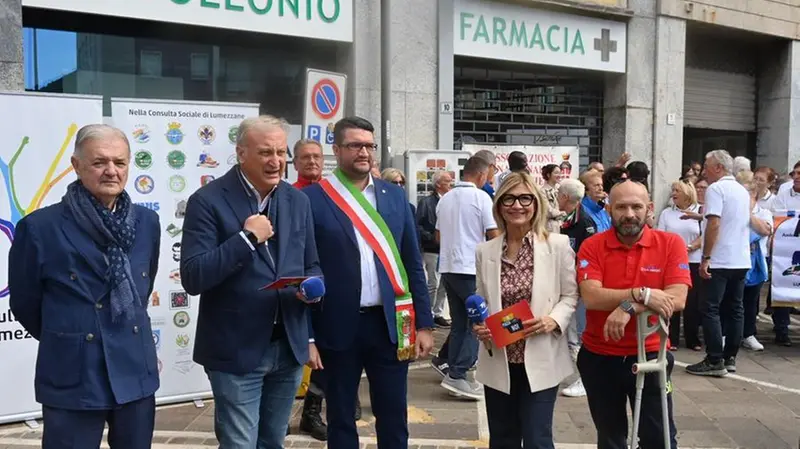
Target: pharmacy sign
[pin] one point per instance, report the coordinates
(517, 33)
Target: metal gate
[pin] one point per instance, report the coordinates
(533, 108)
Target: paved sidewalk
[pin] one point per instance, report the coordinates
(759, 408)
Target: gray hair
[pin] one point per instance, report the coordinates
(487, 156)
(267, 121)
(98, 131)
(723, 158)
(740, 164)
(437, 176)
(573, 189)
(303, 142)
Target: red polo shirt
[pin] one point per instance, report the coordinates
(657, 260)
(302, 182)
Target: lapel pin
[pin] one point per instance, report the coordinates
(383, 191)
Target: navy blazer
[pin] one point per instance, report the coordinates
(58, 292)
(336, 323)
(234, 325)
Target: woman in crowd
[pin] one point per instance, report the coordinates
(764, 178)
(760, 230)
(684, 200)
(521, 380)
(397, 178)
(551, 175)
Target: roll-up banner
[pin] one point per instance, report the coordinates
(38, 139)
(177, 147)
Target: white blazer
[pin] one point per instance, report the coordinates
(554, 293)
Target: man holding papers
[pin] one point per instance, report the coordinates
(242, 232)
(377, 314)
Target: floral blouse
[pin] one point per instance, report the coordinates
(516, 282)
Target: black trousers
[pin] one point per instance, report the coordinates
(610, 387)
(692, 316)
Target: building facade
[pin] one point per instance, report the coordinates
(664, 80)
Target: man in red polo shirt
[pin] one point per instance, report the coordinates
(308, 162)
(624, 271)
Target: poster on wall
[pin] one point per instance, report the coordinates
(38, 141)
(177, 147)
(323, 106)
(422, 165)
(786, 260)
(565, 157)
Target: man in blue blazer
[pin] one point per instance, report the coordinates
(80, 273)
(368, 250)
(252, 342)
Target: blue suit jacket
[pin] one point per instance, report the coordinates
(59, 294)
(336, 323)
(234, 325)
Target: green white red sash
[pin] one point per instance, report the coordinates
(369, 223)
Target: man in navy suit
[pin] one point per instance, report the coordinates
(80, 274)
(252, 342)
(368, 249)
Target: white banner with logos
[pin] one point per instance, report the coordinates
(566, 157)
(786, 260)
(323, 106)
(422, 165)
(318, 19)
(177, 147)
(38, 138)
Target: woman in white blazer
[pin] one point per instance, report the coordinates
(526, 263)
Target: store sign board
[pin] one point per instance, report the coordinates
(320, 19)
(496, 30)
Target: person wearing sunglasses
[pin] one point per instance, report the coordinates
(397, 178)
(521, 380)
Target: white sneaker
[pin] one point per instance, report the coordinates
(575, 390)
(752, 343)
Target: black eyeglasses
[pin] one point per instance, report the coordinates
(399, 182)
(357, 146)
(525, 200)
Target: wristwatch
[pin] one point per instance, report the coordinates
(252, 238)
(627, 307)
(706, 257)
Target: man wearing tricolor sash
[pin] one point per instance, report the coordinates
(376, 315)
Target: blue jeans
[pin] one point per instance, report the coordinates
(724, 292)
(521, 418)
(577, 325)
(463, 345)
(252, 410)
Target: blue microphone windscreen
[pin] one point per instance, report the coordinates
(313, 288)
(477, 310)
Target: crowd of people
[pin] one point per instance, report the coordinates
(584, 255)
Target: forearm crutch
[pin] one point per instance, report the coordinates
(642, 367)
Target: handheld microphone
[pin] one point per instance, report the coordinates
(477, 312)
(313, 289)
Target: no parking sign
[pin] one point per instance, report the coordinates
(323, 106)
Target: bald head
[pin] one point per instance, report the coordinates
(628, 205)
(627, 189)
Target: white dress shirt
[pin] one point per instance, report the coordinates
(262, 204)
(370, 290)
(787, 199)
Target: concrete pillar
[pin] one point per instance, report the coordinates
(628, 111)
(670, 64)
(779, 108)
(11, 71)
(446, 75)
(414, 72)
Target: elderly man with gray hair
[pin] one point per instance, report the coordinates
(243, 231)
(578, 226)
(490, 159)
(724, 265)
(80, 274)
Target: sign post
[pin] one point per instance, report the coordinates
(323, 106)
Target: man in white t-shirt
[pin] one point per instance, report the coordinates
(787, 198)
(464, 219)
(724, 265)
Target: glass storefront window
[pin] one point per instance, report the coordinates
(217, 66)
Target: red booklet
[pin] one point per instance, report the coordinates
(285, 282)
(506, 325)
